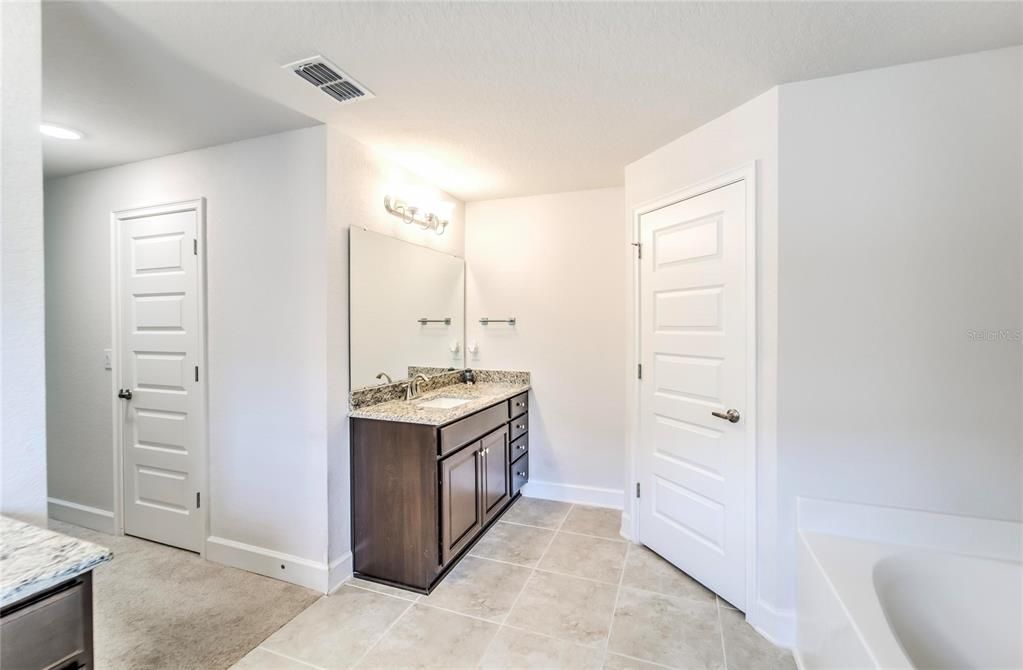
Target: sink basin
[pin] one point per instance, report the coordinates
(443, 403)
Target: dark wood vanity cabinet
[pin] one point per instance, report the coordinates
(51, 629)
(421, 494)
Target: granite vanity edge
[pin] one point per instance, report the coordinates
(33, 559)
(406, 414)
(376, 395)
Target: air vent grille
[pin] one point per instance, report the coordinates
(330, 79)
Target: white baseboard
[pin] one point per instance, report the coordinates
(626, 530)
(262, 561)
(81, 515)
(776, 624)
(340, 570)
(573, 493)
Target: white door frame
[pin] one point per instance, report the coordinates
(197, 205)
(746, 173)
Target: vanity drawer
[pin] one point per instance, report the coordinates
(518, 405)
(471, 428)
(53, 631)
(519, 447)
(519, 473)
(519, 426)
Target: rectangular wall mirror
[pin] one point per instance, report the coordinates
(406, 309)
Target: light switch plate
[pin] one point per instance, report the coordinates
(107, 363)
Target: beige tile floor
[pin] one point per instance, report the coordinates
(551, 585)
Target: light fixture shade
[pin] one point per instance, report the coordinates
(59, 132)
(409, 214)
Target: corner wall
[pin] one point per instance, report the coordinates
(267, 343)
(900, 281)
(889, 302)
(23, 458)
(357, 181)
(555, 262)
(747, 134)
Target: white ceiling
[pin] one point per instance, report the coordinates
(486, 99)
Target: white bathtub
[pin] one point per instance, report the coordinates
(869, 604)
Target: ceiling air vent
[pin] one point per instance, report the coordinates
(330, 79)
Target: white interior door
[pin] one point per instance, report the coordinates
(693, 337)
(160, 345)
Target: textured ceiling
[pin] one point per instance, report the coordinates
(486, 99)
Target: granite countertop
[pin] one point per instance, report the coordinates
(32, 559)
(481, 395)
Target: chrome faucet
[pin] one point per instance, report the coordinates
(412, 390)
(385, 376)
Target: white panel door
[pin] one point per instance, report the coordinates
(693, 316)
(160, 338)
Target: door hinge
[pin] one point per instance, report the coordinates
(637, 489)
(639, 371)
(196, 373)
(195, 246)
(198, 500)
(639, 249)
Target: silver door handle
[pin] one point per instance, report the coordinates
(731, 415)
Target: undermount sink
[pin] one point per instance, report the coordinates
(443, 403)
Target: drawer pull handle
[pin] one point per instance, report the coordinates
(521, 474)
(519, 426)
(521, 447)
(520, 404)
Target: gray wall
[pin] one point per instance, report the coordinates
(266, 342)
(23, 430)
(900, 214)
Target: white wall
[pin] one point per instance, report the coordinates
(23, 385)
(556, 262)
(267, 280)
(747, 134)
(278, 212)
(901, 218)
(889, 229)
(357, 181)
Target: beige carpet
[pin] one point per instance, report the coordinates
(158, 607)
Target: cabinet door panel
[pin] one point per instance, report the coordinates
(461, 491)
(495, 460)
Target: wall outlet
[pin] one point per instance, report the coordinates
(108, 359)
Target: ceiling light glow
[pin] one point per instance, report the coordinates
(59, 132)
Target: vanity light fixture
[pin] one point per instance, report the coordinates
(410, 214)
(59, 132)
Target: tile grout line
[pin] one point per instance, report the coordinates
(379, 593)
(618, 594)
(384, 634)
(641, 660)
(721, 634)
(549, 572)
(525, 583)
(290, 658)
(570, 532)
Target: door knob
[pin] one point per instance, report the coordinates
(731, 415)
(124, 394)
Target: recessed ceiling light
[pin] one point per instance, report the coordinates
(59, 132)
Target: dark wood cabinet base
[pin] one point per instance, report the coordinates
(423, 495)
(450, 566)
(49, 630)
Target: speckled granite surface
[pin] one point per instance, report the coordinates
(502, 376)
(33, 559)
(480, 395)
(375, 395)
(437, 378)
